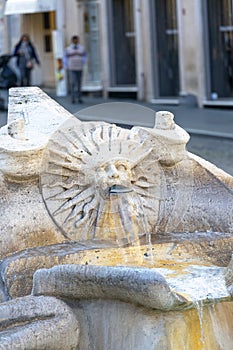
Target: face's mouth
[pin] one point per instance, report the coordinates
(117, 189)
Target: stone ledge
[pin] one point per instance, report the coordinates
(37, 323)
(17, 270)
(140, 286)
(32, 117)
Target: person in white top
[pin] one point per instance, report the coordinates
(75, 58)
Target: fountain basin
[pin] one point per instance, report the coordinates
(128, 229)
(171, 255)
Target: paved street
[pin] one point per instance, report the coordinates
(211, 129)
(218, 151)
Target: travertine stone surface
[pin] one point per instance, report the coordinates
(164, 121)
(97, 179)
(169, 250)
(102, 182)
(38, 323)
(133, 285)
(95, 194)
(229, 277)
(32, 118)
(116, 325)
(24, 220)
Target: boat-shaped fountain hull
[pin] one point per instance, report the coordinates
(128, 230)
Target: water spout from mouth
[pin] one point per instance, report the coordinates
(115, 189)
(129, 221)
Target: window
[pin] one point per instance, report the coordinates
(48, 26)
(47, 43)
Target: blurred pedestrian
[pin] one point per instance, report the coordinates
(26, 59)
(75, 57)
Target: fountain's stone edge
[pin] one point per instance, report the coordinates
(19, 142)
(140, 286)
(192, 188)
(229, 277)
(38, 323)
(17, 270)
(32, 117)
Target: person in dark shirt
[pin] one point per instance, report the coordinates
(26, 59)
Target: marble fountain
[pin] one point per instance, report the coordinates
(111, 238)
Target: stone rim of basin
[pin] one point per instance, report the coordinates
(141, 286)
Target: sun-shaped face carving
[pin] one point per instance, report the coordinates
(99, 182)
(114, 175)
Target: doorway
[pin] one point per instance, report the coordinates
(40, 26)
(165, 48)
(220, 48)
(122, 43)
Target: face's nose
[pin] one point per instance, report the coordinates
(112, 172)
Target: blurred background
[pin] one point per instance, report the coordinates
(174, 55)
(149, 50)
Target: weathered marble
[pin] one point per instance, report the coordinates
(17, 270)
(229, 277)
(133, 285)
(163, 187)
(101, 183)
(115, 325)
(115, 222)
(32, 118)
(37, 323)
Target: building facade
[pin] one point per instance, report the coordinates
(148, 49)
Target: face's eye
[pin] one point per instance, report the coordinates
(121, 167)
(101, 168)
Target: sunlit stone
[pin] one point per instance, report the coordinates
(130, 230)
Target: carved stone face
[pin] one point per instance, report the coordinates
(114, 173)
(84, 166)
